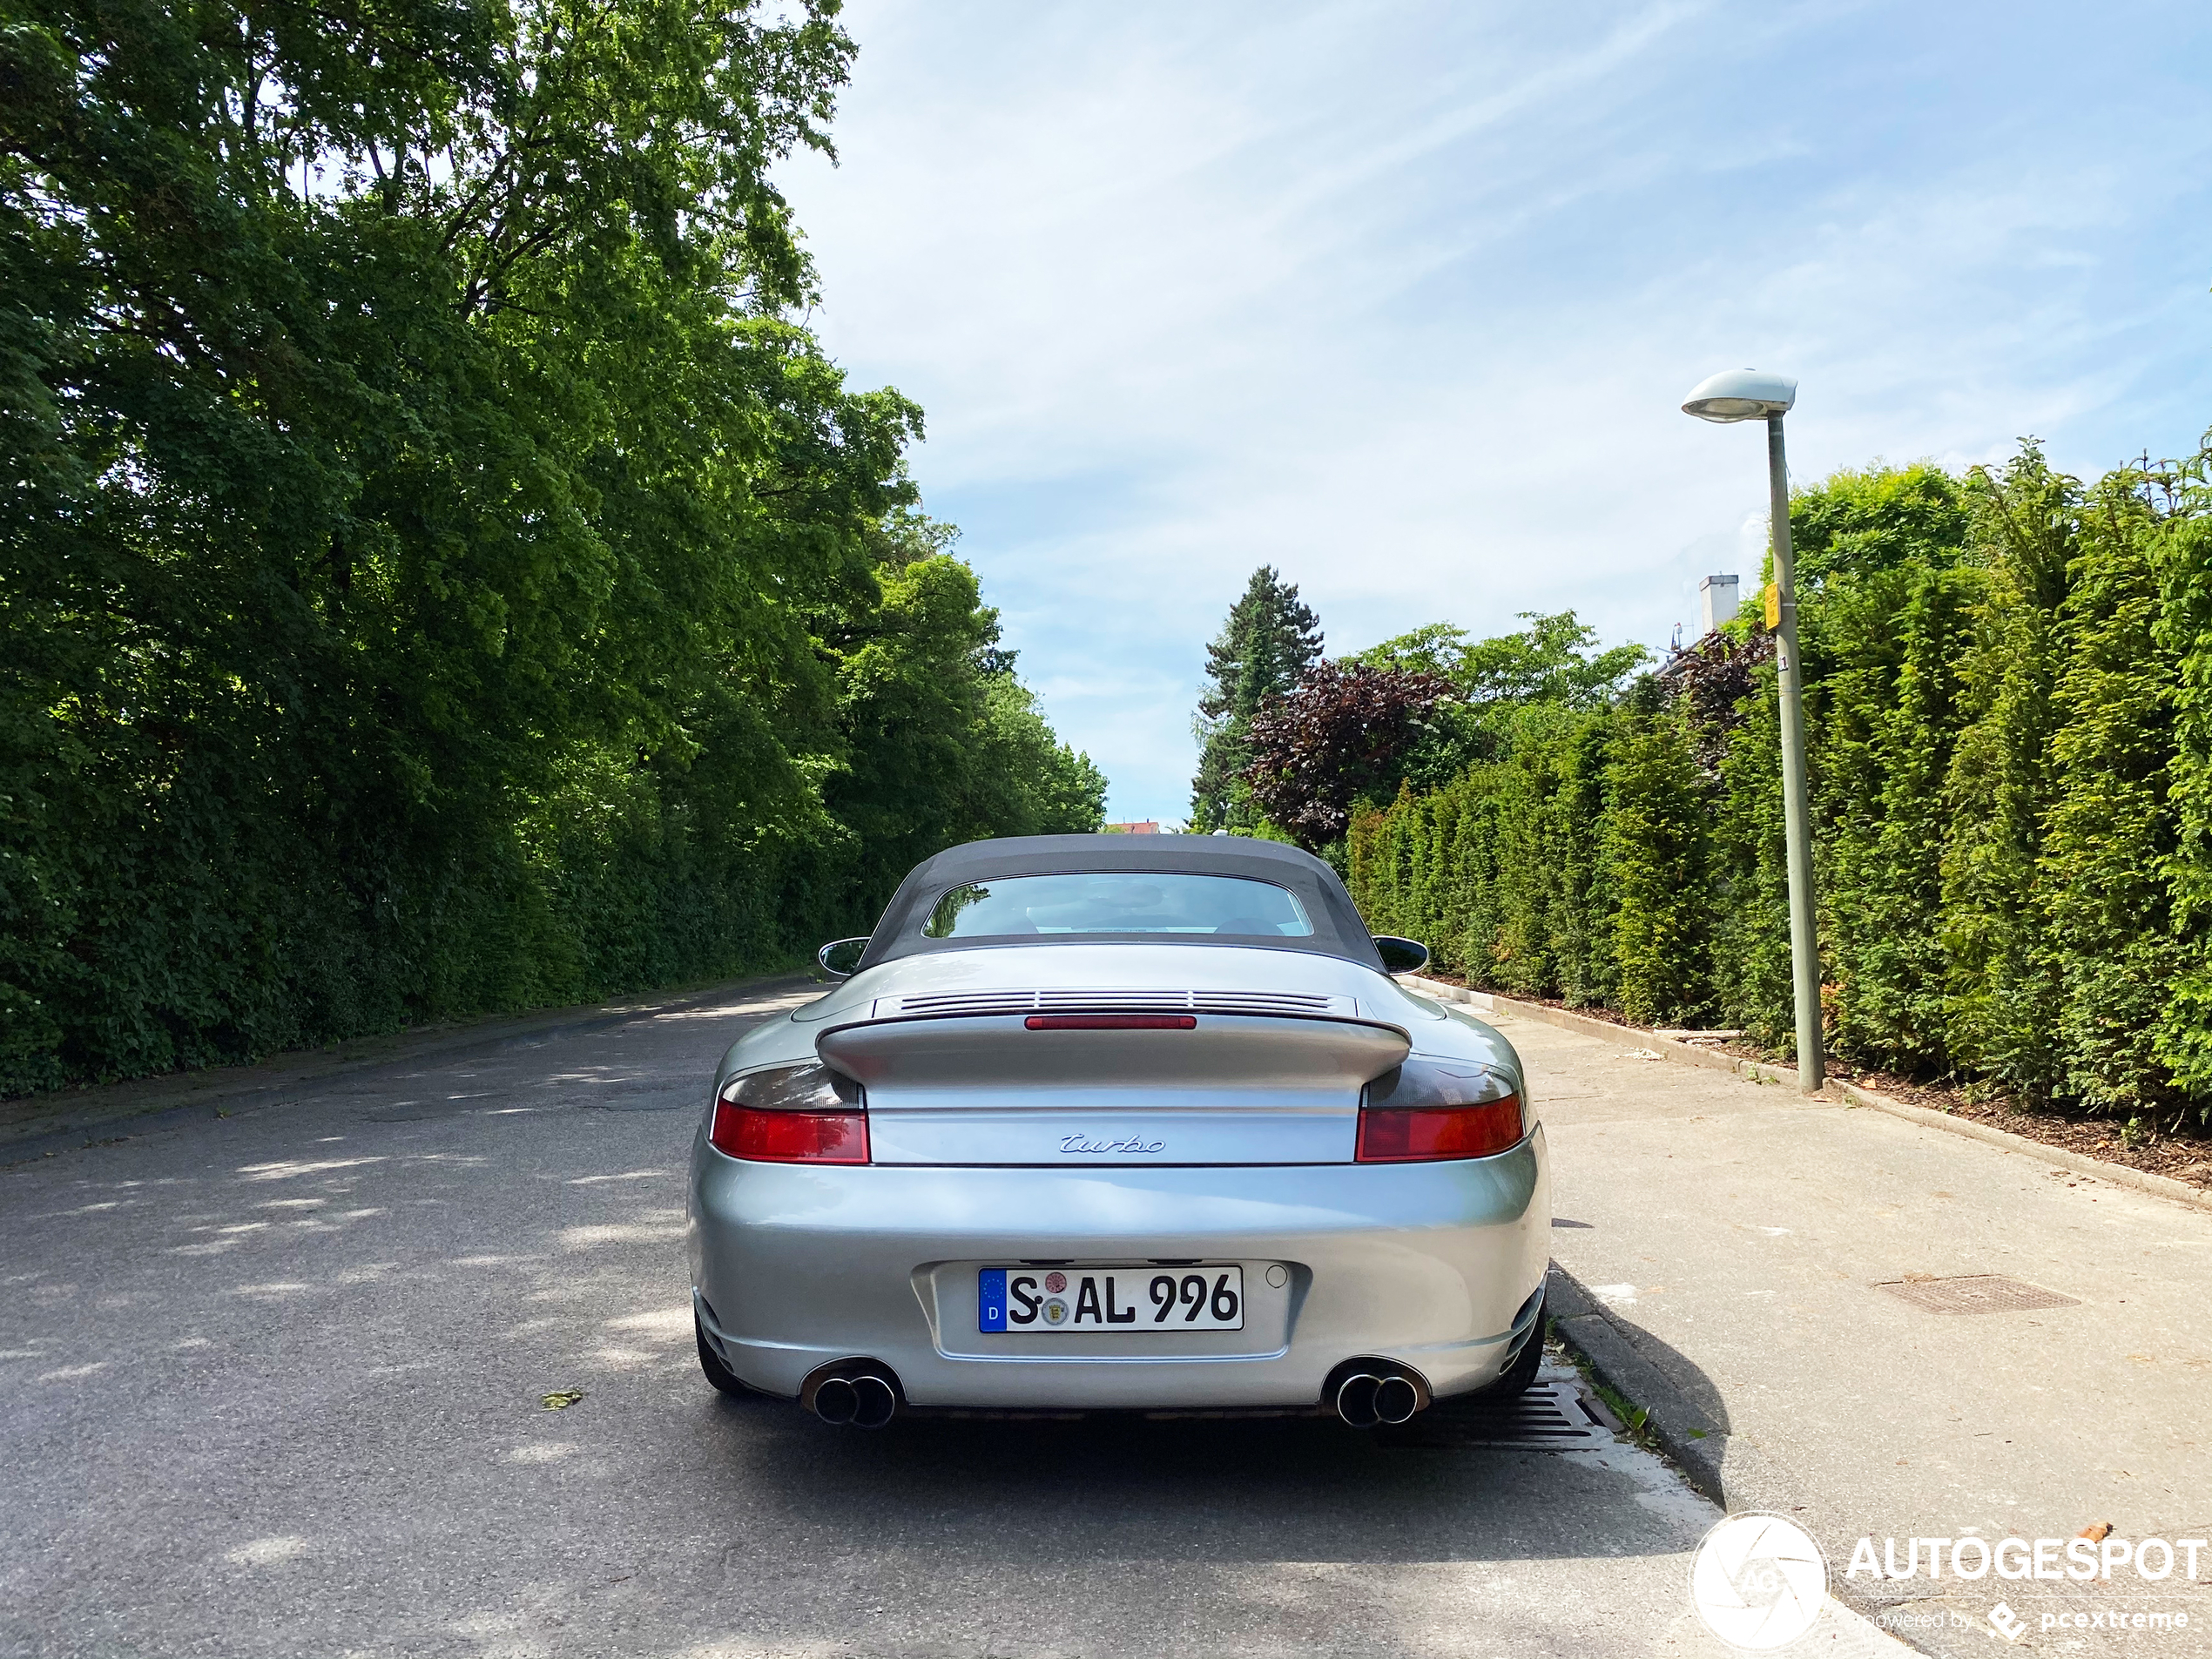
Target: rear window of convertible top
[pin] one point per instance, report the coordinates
(1118, 901)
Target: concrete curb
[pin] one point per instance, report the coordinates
(1726, 1467)
(38, 1124)
(1834, 1093)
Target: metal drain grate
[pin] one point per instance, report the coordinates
(1551, 1416)
(1976, 1293)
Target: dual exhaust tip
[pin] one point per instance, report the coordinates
(1367, 1398)
(864, 1397)
(1368, 1393)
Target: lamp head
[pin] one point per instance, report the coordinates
(1741, 394)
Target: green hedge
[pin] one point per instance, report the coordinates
(2009, 697)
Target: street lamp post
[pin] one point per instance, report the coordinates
(1746, 395)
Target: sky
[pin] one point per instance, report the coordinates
(1404, 299)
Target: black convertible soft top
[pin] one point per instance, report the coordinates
(1338, 930)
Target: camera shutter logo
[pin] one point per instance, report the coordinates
(1758, 1582)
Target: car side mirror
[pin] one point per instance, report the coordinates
(841, 957)
(1401, 955)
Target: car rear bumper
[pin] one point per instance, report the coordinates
(1432, 1265)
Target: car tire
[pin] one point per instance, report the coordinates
(720, 1375)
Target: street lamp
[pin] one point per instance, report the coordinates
(1746, 395)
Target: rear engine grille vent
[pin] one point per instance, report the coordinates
(1293, 1004)
(1551, 1416)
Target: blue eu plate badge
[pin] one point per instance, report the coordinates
(990, 1295)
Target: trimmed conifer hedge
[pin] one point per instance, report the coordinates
(2009, 703)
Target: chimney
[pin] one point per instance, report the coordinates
(1716, 598)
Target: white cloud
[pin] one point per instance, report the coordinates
(1403, 300)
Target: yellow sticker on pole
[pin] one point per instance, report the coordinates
(1773, 592)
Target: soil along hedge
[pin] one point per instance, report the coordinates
(2010, 712)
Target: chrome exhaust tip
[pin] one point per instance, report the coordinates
(855, 1393)
(1371, 1392)
(1356, 1399)
(837, 1401)
(1395, 1400)
(873, 1400)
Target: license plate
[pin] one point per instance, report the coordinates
(1125, 1299)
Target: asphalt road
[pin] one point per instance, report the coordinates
(271, 1384)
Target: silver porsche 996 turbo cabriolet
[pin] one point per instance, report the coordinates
(1102, 1121)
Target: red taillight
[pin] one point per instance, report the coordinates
(790, 1137)
(1425, 1133)
(1112, 1023)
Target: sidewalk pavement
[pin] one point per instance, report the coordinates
(1722, 1250)
(37, 1124)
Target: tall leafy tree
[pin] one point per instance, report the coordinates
(1859, 521)
(1337, 735)
(1270, 640)
(941, 742)
(1552, 661)
(1549, 661)
(438, 570)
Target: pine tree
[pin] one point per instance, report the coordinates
(1751, 967)
(1886, 607)
(1891, 718)
(2184, 563)
(1268, 642)
(2110, 828)
(1654, 849)
(2000, 1013)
